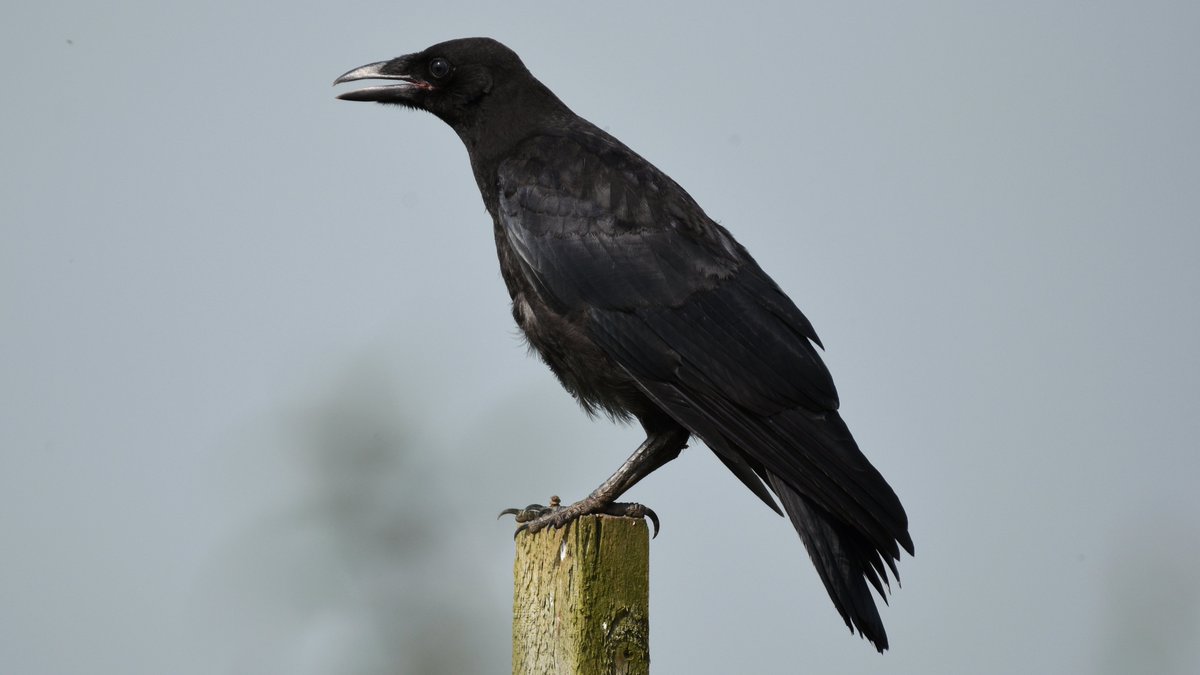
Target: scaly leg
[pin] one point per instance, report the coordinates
(659, 448)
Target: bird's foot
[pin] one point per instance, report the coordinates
(536, 517)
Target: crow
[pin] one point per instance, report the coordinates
(647, 309)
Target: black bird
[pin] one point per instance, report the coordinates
(645, 308)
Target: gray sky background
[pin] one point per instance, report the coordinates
(261, 395)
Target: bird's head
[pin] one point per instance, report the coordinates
(453, 80)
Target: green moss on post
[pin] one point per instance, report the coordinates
(581, 599)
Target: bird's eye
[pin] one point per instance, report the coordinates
(439, 68)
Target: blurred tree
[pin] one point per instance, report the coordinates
(346, 577)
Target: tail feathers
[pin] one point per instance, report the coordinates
(846, 561)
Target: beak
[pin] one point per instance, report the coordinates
(397, 69)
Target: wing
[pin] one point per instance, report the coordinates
(685, 310)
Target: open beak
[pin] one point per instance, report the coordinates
(403, 90)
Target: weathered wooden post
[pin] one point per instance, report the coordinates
(581, 599)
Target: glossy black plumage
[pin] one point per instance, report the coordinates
(645, 307)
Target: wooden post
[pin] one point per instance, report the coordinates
(581, 599)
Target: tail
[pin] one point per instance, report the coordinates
(846, 561)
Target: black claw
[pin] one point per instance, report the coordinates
(531, 512)
(634, 510)
(654, 519)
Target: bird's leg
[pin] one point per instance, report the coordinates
(659, 448)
